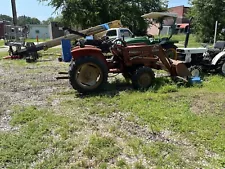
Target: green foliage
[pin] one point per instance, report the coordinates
(87, 13)
(52, 19)
(23, 20)
(205, 14)
(5, 18)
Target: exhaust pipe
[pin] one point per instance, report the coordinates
(188, 33)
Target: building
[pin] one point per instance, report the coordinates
(181, 11)
(2, 24)
(2, 28)
(42, 31)
(55, 30)
(182, 20)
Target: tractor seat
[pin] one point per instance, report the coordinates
(218, 47)
(214, 50)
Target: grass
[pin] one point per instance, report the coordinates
(35, 40)
(19, 150)
(1, 43)
(3, 54)
(167, 126)
(192, 41)
(55, 136)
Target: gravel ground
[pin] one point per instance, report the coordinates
(26, 85)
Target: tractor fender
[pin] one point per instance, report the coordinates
(218, 57)
(78, 52)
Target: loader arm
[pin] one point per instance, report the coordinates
(174, 67)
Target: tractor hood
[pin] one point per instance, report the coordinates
(142, 39)
(192, 50)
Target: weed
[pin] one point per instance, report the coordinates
(102, 148)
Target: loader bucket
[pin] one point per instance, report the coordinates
(179, 69)
(174, 67)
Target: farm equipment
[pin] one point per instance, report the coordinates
(89, 68)
(165, 42)
(128, 36)
(30, 49)
(203, 59)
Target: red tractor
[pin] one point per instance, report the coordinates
(89, 68)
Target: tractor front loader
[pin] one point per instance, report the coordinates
(89, 68)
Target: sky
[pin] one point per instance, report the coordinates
(41, 11)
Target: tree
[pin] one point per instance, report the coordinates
(205, 14)
(52, 19)
(23, 20)
(5, 18)
(88, 13)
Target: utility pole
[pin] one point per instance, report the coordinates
(13, 2)
(14, 12)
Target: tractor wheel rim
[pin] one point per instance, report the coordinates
(195, 73)
(144, 80)
(89, 76)
(223, 68)
(172, 53)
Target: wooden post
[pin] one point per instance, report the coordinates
(37, 38)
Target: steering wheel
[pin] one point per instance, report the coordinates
(123, 43)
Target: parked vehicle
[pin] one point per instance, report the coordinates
(203, 59)
(165, 42)
(119, 33)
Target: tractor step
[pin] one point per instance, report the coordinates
(63, 73)
(62, 77)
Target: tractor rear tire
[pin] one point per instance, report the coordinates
(221, 67)
(170, 51)
(88, 74)
(142, 78)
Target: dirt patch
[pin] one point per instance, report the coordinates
(208, 103)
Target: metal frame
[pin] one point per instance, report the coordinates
(162, 16)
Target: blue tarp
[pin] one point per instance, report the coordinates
(105, 26)
(66, 50)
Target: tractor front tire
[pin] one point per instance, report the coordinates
(143, 78)
(88, 74)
